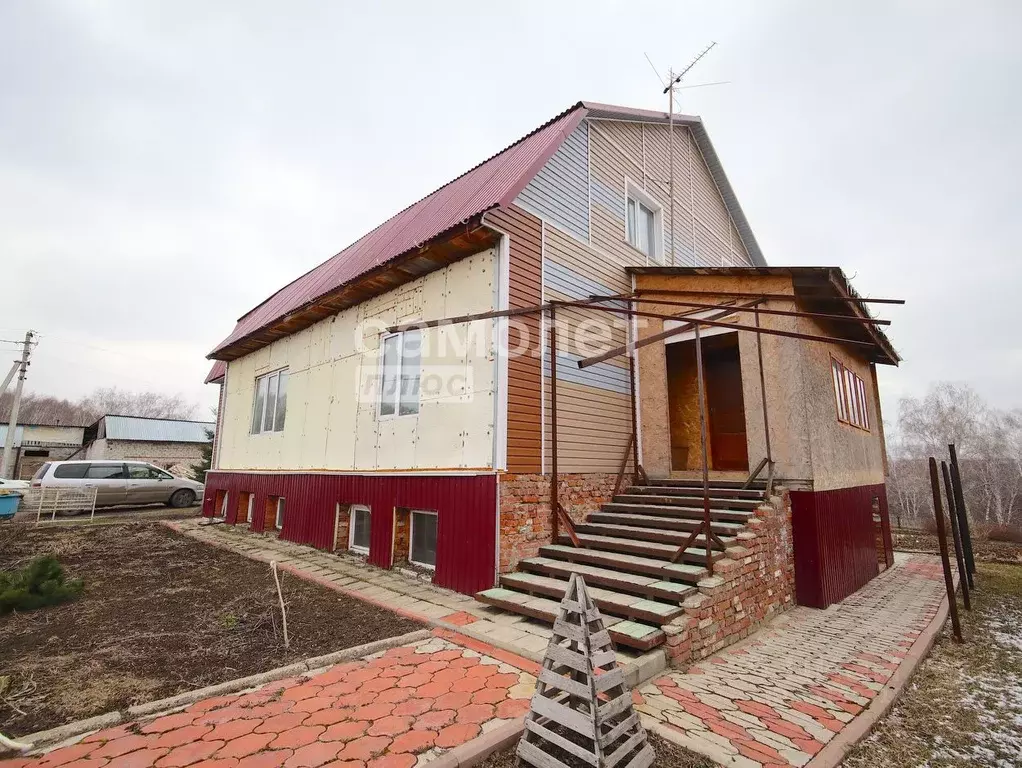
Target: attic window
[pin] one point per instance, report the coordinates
(850, 394)
(644, 224)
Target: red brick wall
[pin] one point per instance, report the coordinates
(753, 583)
(525, 509)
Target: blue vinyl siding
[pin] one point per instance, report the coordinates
(560, 191)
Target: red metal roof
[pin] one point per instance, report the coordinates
(493, 183)
(217, 372)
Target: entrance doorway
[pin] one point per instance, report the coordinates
(727, 447)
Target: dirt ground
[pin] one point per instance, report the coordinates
(161, 614)
(964, 705)
(983, 549)
(668, 755)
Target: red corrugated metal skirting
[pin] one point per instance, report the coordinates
(466, 507)
(835, 542)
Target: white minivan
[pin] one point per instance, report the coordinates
(120, 482)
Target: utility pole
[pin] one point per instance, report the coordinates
(6, 468)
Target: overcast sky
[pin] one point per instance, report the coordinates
(165, 166)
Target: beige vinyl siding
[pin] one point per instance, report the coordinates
(703, 232)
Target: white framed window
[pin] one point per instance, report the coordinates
(248, 511)
(644, 224)
(223, 506)
(400, 356)
(359, 521)
(422, 539)
(278, 521)
(270, 403)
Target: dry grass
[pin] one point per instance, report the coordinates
(964, 705)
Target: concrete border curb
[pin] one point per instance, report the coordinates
(481, 747)
(63, 733)
(838, 747)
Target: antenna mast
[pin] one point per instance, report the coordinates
(672, 82)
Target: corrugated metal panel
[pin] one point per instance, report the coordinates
(156, 430)
(466, 507)
(835, 542)
(217, 372)
(524, 426)
(559, 191)
(495, 182)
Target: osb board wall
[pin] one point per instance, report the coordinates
(843, 456)
(524, 438)
(789, 431)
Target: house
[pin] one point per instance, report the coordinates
(402, 399)
(173, 444)
(35, 444)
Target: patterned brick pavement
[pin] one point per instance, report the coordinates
(779, 698)
(394, 709)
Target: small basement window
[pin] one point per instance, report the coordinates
(399, 373)
(422, 545)
(278, 522)
(358, 529)
(644, 224)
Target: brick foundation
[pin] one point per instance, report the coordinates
(525, 509)
(753, 583)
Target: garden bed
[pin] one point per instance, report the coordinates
(160, 614)
(984, 550)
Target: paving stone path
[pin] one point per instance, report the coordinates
(395, 709)
(779, 698)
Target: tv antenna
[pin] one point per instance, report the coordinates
(670, 85)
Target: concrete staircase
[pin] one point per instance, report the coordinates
(626, 554)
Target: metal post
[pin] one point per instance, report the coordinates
(963, 517)
(959, 559)
(553, 426)
(949, 581)
(12, 423)
(702, 443)
(762, 389)
(635, 408)
(670, 138)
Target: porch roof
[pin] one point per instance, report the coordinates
(815, 289)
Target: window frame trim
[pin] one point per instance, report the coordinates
(411, 534)
(352, 547)
(850, 394)
(278, 517)
(380, 416)
(640, 195)
(276, 400)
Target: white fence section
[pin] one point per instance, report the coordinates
(50, 501)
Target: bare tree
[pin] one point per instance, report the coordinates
(989, 443)
(44, 409)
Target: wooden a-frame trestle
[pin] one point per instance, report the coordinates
(582, 709)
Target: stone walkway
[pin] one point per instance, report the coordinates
(397, 591)
(780, 697)
(395, 709)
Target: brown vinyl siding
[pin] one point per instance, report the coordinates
(524, 418)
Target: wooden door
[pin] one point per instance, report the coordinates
(726, 409)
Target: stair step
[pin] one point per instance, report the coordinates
(625, 632)
(649, 566)
(751, 494)
(608, 601)
(658, 535)
(686, 500)
(735, 485)
(643, 548)
(689, 513)
(649, 586)
(721, 528)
